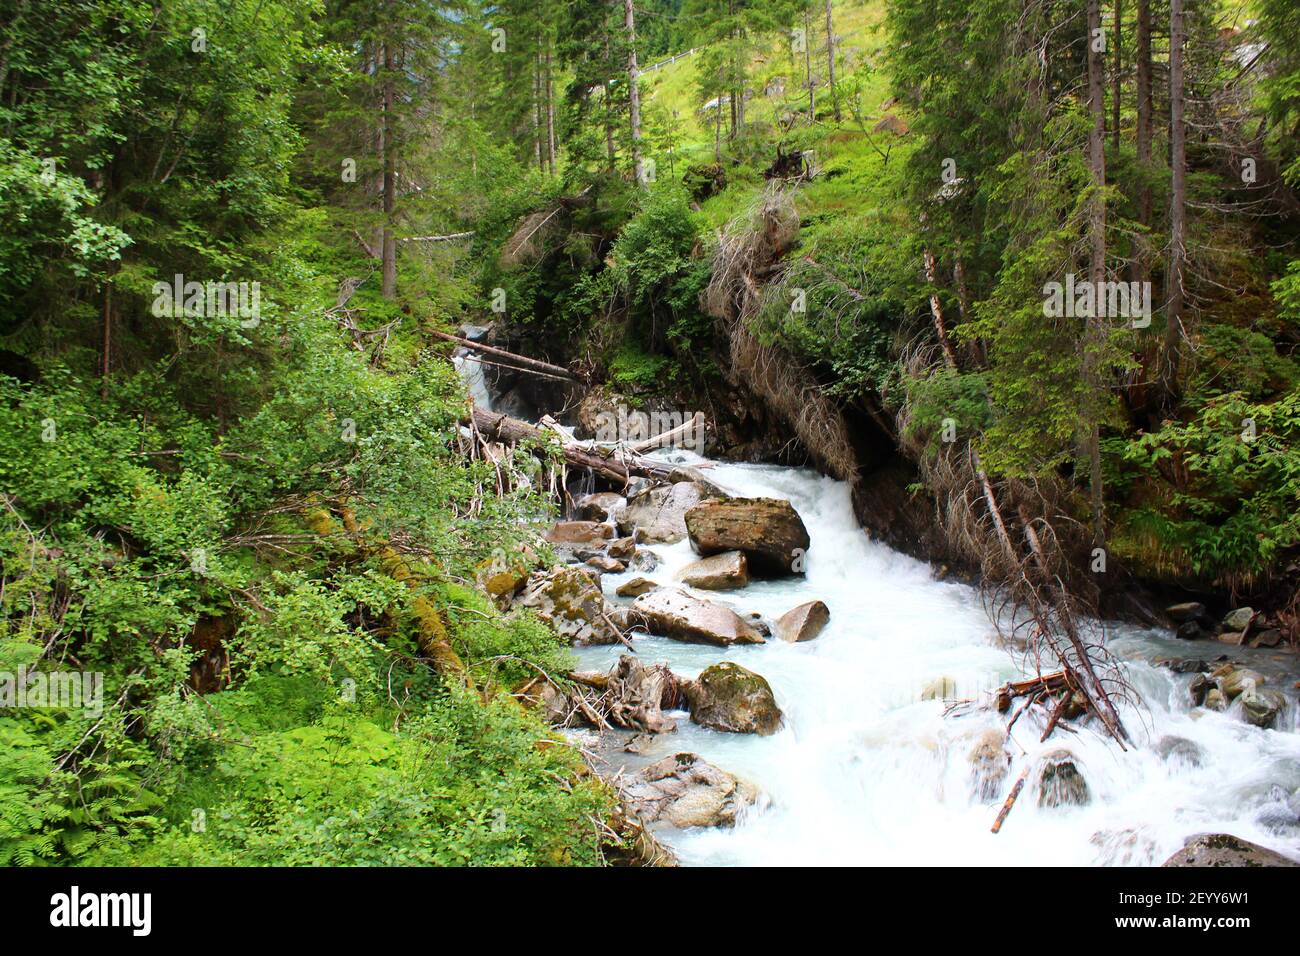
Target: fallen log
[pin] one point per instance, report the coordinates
(524, 360)
(616, 467)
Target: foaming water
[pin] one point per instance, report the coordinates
(866, 772)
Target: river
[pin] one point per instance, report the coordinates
(865, 771)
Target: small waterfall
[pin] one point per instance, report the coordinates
(867, 771)
(471, 371)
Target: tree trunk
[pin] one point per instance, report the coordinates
(830, 61)
(633, 94)
(1115, 78)
(108, 340)
(807, 64)
(1095, 333)
(609, 112)
(388, 244)
(537, 111)
(550, 112)
(1144, 113)
(1178, 200)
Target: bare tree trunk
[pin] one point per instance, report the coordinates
(633, 94)
(1115, 78)
(1178, 200)
(1095, 333)
(537, 111)
(936, 311)
(1144, 115)
(389, 245)
(717, 132)
(807, 63)
(550, 111)
(609, 113)
(830, 61)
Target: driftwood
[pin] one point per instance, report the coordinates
(618, 467)
(522, 360)
(1011, 800)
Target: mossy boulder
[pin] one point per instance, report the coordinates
(569, 599)
(732, 698)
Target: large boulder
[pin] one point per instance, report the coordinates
(683, 617)
(768, 530)
(599, 506)
(660, 513)
(720, 572)
(729, 697)
(1262, 707)
(1223, 849)
(804, 622)
(1238, 620)
(590, 533)
(685, 790)
(569, 600)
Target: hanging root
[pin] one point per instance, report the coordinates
(750, 251)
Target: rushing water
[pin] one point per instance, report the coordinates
(865, 771)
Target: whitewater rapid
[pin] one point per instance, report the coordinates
(865, 771)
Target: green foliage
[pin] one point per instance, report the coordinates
(1239, 507)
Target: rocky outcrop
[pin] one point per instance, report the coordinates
(720, 572)
(729, 697)
(804, 622)
(683, 617)
(569, 599)
(1223, 849)
(685, 790)
(659, 514)
(768, 530)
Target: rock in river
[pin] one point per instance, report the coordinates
(1060, 783)
(683, 617)
(660, 513)
(804, 622)
(720, 572)
(729, 697)
(685, 790)
(768, 530)
(1223, 849)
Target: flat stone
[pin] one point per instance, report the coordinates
(720, 572)
(635, 588)
(684, 617)
(579, 532)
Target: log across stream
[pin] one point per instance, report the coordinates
(866, 771)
